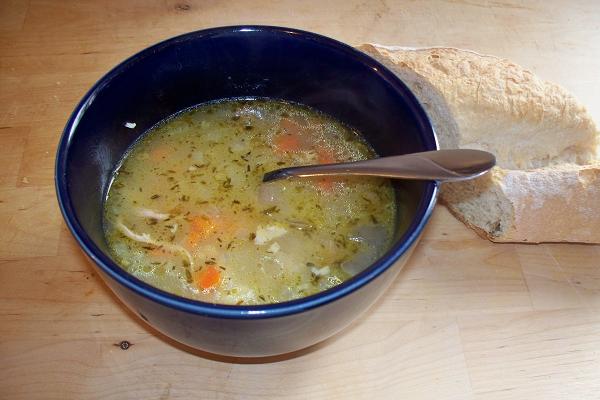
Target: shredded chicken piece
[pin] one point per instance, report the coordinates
(146, 238)
(320, 271)
(268, 233)
(274, 248)
(145, 212)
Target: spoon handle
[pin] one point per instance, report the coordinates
(439, 165)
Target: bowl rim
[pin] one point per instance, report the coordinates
(110, 268)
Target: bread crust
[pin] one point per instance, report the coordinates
(559, 204)
(501, 107)
(546, 187)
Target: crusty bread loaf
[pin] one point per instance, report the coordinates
(546, 187)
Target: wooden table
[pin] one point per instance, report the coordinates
(466, 319)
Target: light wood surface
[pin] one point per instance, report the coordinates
(466, 319)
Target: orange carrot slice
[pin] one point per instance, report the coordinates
(325, 184)
(208, 277)
(326, 156)
(287, 143)
(292, 137)
(201, 227)
(290, 127)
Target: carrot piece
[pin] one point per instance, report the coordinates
(326, 156)
(287, 142)
(290, 126)
(292, 138)
(200, 228)
(325, 184)
(208, 277)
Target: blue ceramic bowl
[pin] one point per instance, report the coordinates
(241, 61)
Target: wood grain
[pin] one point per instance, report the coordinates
(466, 319)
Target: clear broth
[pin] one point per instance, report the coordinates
(187, 211)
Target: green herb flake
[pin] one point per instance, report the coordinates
(271, 210)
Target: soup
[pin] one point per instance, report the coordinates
(187, 211)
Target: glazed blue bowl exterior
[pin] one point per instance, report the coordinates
(241, 61)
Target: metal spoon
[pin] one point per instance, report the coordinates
(439, 165)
